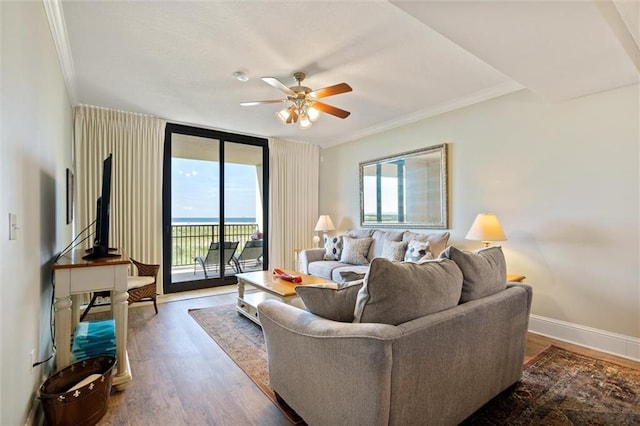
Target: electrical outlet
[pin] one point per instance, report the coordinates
(32, 360)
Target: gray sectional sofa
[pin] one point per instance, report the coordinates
(335, 263)
(425, 343)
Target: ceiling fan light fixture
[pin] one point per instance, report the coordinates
(303, 103)
(294, 114)
(284, 115)
(305, 123)
(313, 113)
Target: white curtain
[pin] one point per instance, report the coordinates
(293, 196)
(136, 142)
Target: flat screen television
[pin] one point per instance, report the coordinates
(100, 247)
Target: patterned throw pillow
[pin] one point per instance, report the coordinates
(394, 250)
(355, 250)
(332, 247)
(437, 241)
(417, 251)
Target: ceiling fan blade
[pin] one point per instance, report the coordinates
(336, 89)
(272, 101)
(293, 117)
(331, 110)
(278, 85)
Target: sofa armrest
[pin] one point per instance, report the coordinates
(529, 292)
(309, 358)
(310, 255)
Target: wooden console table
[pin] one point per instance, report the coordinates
(75, 276)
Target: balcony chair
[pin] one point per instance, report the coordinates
(212, 259)
(141, 287)
(252, 250)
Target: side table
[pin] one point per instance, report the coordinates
(75, 276)
(514, 278)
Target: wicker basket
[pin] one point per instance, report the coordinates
(84, 406)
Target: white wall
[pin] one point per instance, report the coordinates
(563, 179)
(35, 151)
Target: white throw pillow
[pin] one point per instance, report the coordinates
(332, 247)
(417, 251)
(437, 241)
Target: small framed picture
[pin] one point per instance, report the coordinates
(70, 190)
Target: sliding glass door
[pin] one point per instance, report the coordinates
(215, 207)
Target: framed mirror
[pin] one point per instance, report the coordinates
(407, 190)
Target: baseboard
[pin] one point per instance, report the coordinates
(593, 338)
(35, 416)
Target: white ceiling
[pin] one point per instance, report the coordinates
(405, 60)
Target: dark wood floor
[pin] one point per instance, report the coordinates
(182, 377)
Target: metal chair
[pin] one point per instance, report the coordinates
(212, 259)
(252, 250)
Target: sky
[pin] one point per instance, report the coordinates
(194, 189)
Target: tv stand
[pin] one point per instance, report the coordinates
(75, 276)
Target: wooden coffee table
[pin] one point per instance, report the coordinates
(270, 287)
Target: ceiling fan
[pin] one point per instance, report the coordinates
(304, 106)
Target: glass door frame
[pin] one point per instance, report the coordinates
(222, 137)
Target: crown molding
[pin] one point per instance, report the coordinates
(473, 98)
(630, 14)
(55, 16)
(624, 21)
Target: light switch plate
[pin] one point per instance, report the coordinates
(13, 227)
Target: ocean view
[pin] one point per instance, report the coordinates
(200, 220)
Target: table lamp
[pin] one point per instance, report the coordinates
(324, 224)
(486, 228)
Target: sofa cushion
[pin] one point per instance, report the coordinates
(347, 274)
(332, 247)
(484, 271)
(397, 292)
(417, 251)
(354, 250)
(324, 268)
(437, 241)
(359, 233)
(332, 301)
(394, 250)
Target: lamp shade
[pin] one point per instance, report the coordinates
(486, 228)
(324, 223)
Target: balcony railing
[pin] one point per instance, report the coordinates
(189, 241)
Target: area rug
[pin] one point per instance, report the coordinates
(558, 387)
